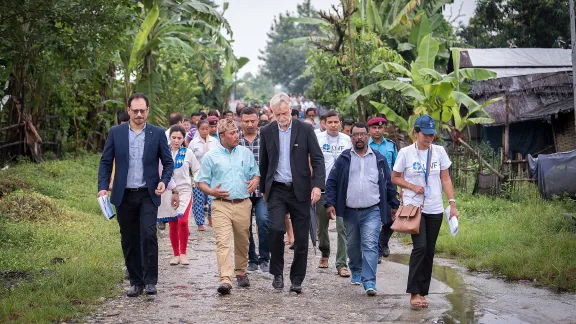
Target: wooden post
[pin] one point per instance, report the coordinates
(573, 42)
(507, 128)
(481, 159)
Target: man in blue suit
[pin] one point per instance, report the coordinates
(137, 147)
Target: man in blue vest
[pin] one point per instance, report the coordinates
(387, 148)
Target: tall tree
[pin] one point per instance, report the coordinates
(518, 23)
(285, 64)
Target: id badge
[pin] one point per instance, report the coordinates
(427, 191)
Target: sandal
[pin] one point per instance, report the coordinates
(415, 303)
(323, 263)
(201, 228)
(343, 272)
(175, 260)
(423, 302)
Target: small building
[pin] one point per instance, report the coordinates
(537, 106)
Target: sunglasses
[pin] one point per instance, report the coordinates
(139, 111)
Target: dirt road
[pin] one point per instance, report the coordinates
(187, 294)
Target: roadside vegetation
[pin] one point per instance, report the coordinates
(522, 239)
(58, 254)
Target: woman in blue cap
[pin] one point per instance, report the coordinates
(420, 185)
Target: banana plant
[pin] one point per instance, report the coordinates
(190, 27)
(430, 92)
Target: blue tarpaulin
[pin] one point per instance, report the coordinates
(554, 173)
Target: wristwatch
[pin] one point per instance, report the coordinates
(451, 200)
(174, 192)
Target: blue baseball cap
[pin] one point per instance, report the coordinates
(426, 124)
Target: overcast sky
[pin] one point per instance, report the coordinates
(251, 20)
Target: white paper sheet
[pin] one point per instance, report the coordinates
(106, 207)
(452, 222)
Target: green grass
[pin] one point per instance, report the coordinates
(58, 254)
(520, 238)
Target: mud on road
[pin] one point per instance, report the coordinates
(187, 294)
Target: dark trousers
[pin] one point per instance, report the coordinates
(422, 257)
(384, 238)
(263, 222)
(137, 219)
(282, 200)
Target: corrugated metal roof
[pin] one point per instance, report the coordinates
(508, 62)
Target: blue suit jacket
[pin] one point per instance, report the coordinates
(117, 148)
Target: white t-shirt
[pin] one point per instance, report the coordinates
(332, 147)
(412, 163)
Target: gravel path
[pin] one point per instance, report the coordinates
(187, 294)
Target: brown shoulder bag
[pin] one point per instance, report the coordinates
(407, 216)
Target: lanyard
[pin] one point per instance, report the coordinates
(424, 167)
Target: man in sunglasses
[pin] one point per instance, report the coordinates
(137, 146)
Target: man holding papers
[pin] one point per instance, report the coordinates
(136, 147)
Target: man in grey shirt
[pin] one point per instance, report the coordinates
(360, 189)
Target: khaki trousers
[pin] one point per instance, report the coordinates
(228, 218)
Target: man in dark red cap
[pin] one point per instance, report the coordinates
(387, 148)
(213, 123)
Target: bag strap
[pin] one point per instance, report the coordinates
(427, 171)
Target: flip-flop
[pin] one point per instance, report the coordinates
(423, 302)
(416, 304)
(323, 263)
(343, 272)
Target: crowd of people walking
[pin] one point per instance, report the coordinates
(274, 165)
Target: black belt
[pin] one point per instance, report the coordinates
(283, 184)
(232, 201)
(361, 209)
(137, 189)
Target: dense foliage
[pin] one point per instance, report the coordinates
(67, 66)
(518, 23)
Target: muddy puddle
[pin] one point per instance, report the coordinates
(478, 298)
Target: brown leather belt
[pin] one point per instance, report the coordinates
(232, 201)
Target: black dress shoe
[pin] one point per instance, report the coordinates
(224, 289)
(278, 282)
(135, 291)
(296, 287)
(386, 251)
(151, 289)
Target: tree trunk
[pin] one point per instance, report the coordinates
(361, 112)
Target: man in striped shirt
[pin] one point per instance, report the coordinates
(250, 138)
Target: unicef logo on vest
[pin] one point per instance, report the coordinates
(326, 147)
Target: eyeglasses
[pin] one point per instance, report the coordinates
(138, 111)
(359, 135)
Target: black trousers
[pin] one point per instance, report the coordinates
(137, 218)
(385, 234)
(282, 200)
(422, 257)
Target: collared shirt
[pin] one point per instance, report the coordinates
(135, 178)
(200, 147)
(363, 190)
(229, 169)
(386, 148)
(255, 148)
(284, 172)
